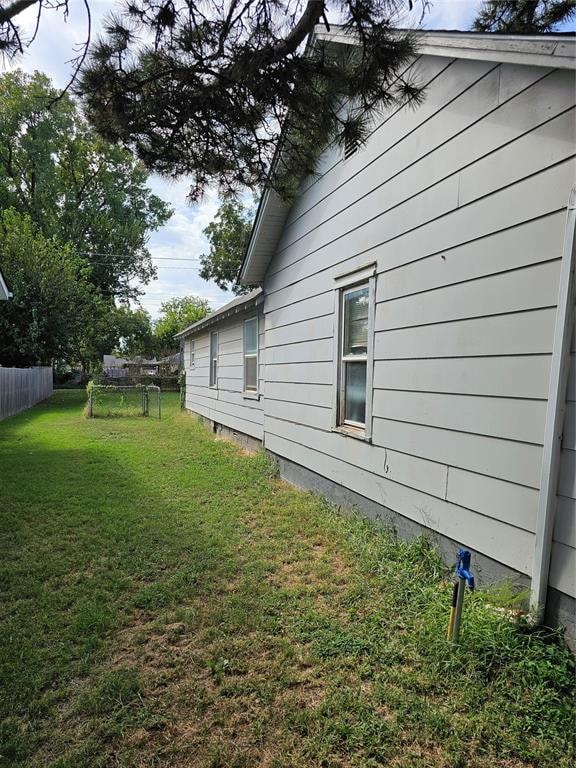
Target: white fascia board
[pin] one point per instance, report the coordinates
(557, 51)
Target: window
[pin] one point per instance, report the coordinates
(354, 352)
(192, 352)
(251, 355)
(213, 357)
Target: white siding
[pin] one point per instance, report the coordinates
(226, 403)
(563, 563)
(460, 204)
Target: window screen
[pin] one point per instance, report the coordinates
(355, 310)
(251, 354)
(213, 357)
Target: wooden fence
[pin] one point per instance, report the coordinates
(21, 388)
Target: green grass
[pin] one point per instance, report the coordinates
(166, 601)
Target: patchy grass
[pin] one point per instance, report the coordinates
(166, 601)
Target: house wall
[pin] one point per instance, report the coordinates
(563, 558)
(225, 404)
(461, 204)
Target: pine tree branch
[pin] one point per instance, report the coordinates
(15, 8)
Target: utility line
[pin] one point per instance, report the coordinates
(123, 256)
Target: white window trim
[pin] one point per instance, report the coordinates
(192, 354)
(214, 384)
(343, 284)
(251, 394)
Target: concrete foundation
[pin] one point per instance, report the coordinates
(245, 441)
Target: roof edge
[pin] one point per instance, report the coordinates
(239, 304)
(550, 50)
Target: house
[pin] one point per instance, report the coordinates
(114, 367)
(123, 368)
(5, 292)
(410, 349)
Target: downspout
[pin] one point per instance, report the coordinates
(556, 408)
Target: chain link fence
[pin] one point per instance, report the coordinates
(109, 400)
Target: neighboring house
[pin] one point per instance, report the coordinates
(114, 367)
(415, 317)
(5, 292)
(122, 368)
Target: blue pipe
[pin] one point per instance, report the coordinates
(463, 567)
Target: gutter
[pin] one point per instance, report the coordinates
(222, 314)
(555, 411)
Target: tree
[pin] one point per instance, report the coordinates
(175, 315)
(54, 303)
(528, 17)
(228, 235)
(75, 186)
(135, 332)
(202, 88)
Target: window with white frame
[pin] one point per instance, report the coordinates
(192, 352)
(251, 355)
(354, 363)
(213, 357)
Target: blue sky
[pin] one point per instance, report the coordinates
(182, 236)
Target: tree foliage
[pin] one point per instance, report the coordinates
(228, 235)
(53, 298)
(528, 17)
(76, 216)
(175, 315)
(75, 186)
(135, 333)
(56, 313)
(201, 88)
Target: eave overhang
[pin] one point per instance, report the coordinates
(238, 305)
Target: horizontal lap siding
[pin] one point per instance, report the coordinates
(461, 206)
(226, 403)
(563, 563)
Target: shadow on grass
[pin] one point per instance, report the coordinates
(88, 538)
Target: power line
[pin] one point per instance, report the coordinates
(160, 266)
(123, 256)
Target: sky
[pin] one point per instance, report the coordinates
(182, 237)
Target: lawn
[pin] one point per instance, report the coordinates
(167, 601)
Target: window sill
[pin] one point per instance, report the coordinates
(251, 395)
(358, 434)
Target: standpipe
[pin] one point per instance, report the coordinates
(463, 576)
